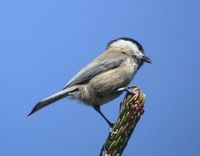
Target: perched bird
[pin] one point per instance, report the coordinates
(99, 82)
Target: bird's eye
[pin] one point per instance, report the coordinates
(123, 53)
(139, 47)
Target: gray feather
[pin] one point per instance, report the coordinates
(49, 100)
(99, 65)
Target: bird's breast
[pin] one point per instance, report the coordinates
(103, 87)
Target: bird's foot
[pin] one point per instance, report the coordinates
(111, 130)
(110, 124)
(127, 89)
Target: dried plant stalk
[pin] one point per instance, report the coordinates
(130, 113)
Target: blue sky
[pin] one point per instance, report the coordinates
(44, 43)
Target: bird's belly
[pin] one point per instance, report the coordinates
(100, 98)
(103, 87)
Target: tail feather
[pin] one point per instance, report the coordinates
(49, 100)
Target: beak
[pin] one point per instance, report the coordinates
(146, 59)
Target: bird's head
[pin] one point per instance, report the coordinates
(131, 47)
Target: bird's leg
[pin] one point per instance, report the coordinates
(98, 109)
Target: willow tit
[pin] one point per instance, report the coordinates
(99, 82)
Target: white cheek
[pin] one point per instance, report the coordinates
(130, 66)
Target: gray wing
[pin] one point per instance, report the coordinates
(97, 66)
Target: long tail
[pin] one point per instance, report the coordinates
(49, 100)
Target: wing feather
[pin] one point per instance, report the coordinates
(99, 65)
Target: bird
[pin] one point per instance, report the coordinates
(100, 81)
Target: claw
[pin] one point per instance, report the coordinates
(122, 89)
(127, 89)
(111, 131)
